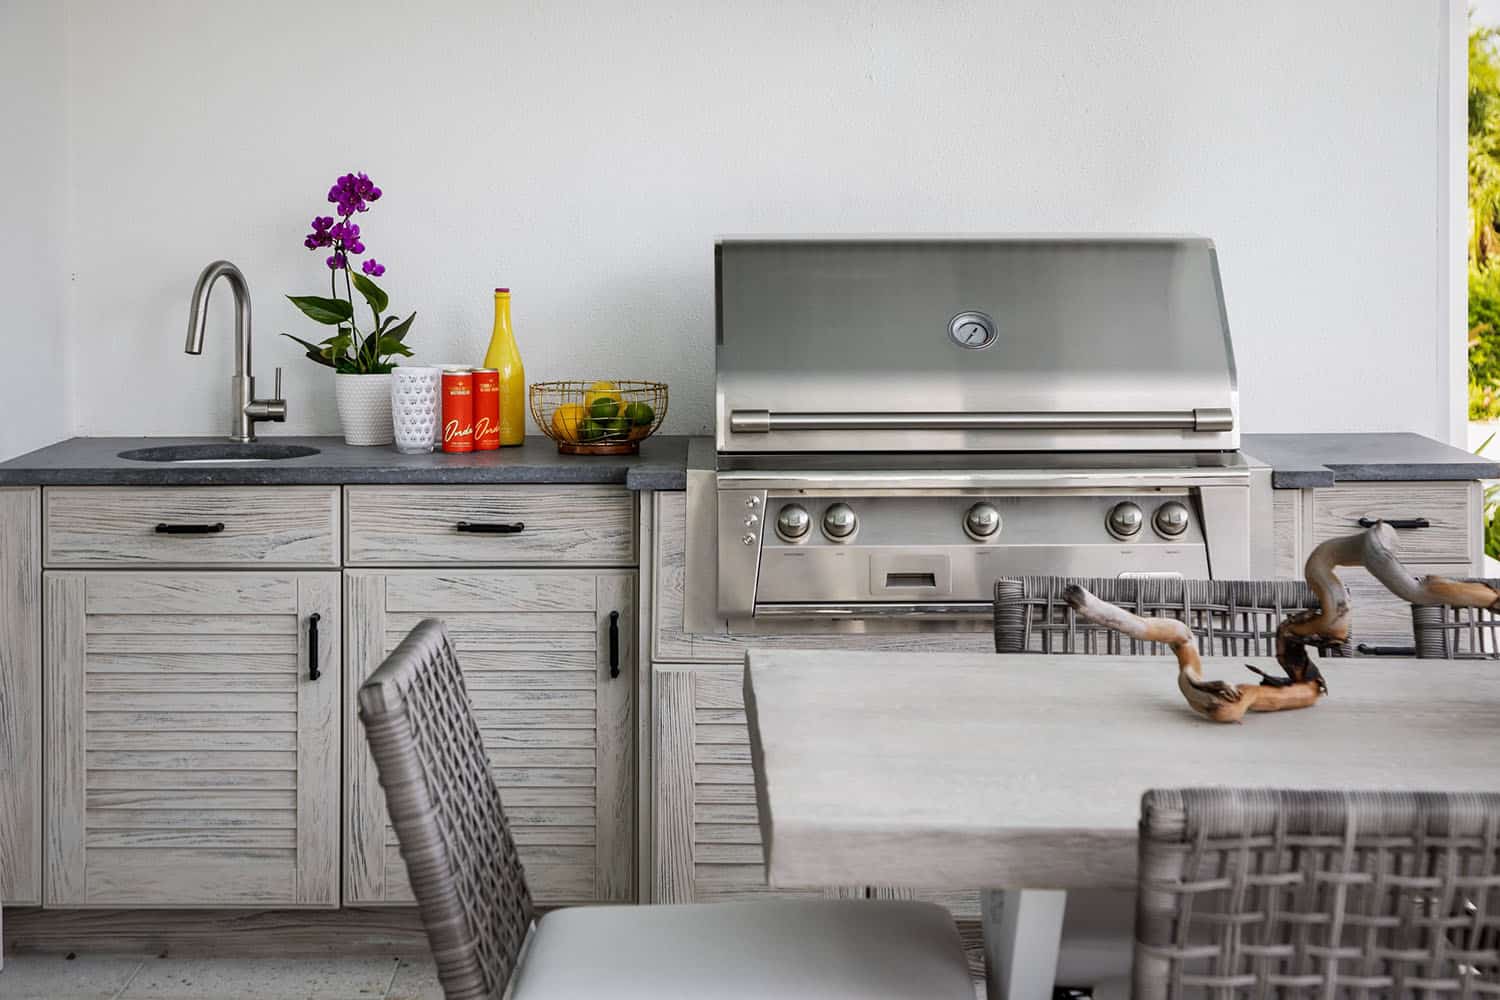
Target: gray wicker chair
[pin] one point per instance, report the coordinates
(1261, 893)
(1230, 617)
(1449, 633)
(470, 886)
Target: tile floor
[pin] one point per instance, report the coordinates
(119, 977)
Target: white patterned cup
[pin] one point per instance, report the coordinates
(415, 409)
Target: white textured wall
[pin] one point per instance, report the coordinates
(587, 153)
(34, 390)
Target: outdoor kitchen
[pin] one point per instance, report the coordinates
(870, 502)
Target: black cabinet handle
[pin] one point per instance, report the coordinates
(614, 644)
(1364, 650)
(189, 529)
(481, 528)
(1396, 522)
(313, 673)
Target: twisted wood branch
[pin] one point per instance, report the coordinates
(1326, 627)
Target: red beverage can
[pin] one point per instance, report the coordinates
(458, 409)
(486, 409)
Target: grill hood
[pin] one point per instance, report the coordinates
(859, 345)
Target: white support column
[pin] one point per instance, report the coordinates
(1022, 937)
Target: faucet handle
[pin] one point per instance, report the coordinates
(277, 395)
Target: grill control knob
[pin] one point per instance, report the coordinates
(1171, 519)
(1125, 520)
(982, 521)
(793, 522)
(839, 521)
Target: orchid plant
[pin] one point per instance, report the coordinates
(351, 351)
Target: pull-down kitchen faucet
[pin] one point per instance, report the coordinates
(245, 409)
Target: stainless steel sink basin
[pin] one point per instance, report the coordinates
(219, 453)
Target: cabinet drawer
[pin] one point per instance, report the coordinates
(1380, 618)
(280, 526)
(1448, 507)
(528, 525)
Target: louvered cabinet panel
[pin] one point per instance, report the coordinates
(191, 757)
(706, 845)
(556, 718)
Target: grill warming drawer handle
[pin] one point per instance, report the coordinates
(1202, 420)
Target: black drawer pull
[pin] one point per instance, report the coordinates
(1396, 522)
(313, 673)
(1364, 650)
(614, 644)
(189, 529)
(482, 528)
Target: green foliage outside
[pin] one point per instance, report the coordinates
(1484, 225)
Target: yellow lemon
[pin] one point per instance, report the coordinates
(602, 390)
(565, 420)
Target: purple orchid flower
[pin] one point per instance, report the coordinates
(373, 268)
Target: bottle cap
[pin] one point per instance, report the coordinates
(505, 290)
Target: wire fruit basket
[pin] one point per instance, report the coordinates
(601, 417)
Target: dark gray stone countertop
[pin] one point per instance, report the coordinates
(1299, 461)
(661, 464)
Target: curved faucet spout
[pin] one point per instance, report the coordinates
(198, 312)
(245, 409)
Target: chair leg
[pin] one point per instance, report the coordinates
(1022, 937)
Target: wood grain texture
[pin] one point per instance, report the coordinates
(1286, 534)
(707, 844)
(218, 933)
(559, 730)
(209, 793)
(288, 526)
(20, 697)
(1042, 769)
(1448, 506)
(672, 644)
(415, 525)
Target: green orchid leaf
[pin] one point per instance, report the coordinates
(373, 294)
(328, 311)
(400, 330)
(314, 351)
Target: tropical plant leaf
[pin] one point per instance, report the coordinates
(373, 294)
(328, 311)
(314, 351)
(389, 346)
(400, 330)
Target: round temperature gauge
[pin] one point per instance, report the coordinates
(972, 330)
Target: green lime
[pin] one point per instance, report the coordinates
(613, 426)
(639, 414)
(589, 429)
(603, 407)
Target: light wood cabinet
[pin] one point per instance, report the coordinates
(20, 697)
(192, 526)
(706, 845)
(550, 665)
(192, 755)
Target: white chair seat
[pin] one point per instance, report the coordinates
(833, 949)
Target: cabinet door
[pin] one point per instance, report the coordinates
(20, 697)
(192, 759)
(557, 719)
(706, 845)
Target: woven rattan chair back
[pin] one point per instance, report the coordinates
(1229, 617)
(1449, 633)
(459, 853)
(1360, 895)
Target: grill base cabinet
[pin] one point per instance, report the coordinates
(192, 758)
(554, 706)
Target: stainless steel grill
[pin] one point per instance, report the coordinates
(900, 422)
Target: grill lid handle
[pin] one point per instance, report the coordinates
(1206, 419)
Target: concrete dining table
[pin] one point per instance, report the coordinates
(1022, 775)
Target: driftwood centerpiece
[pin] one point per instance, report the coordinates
(1329, 626)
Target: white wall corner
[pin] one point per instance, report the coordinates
(1452, 225)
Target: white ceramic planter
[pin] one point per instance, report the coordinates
(364, 408)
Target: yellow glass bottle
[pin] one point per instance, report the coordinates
(505, 357)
